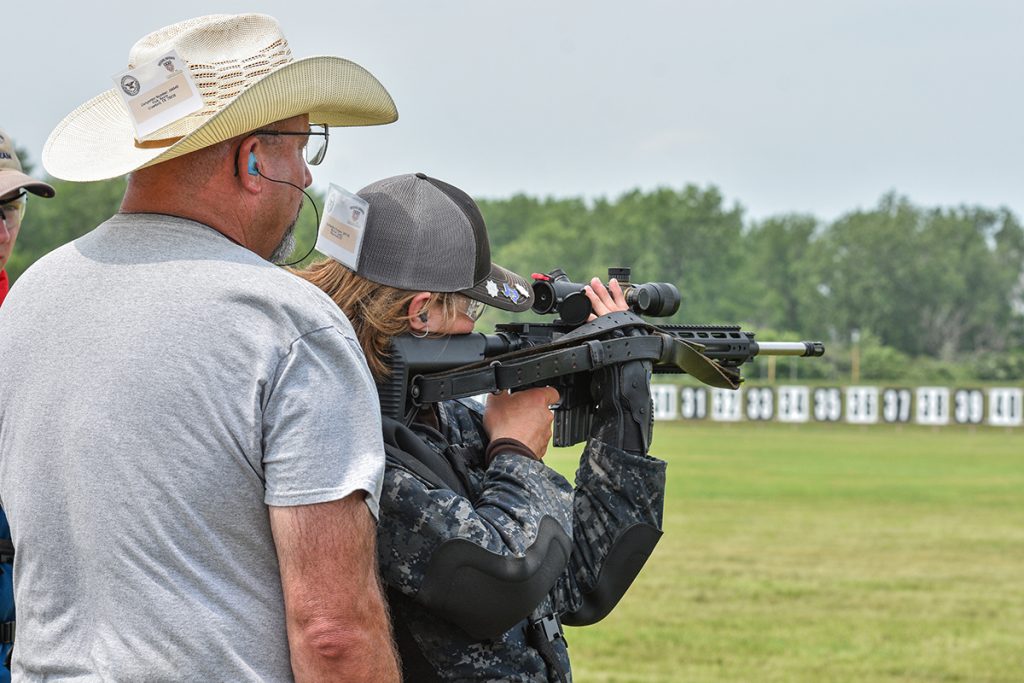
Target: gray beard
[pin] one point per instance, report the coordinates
(286, 246)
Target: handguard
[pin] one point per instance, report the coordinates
(486, 594)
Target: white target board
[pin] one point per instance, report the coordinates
(726, 405)
(968, 406)
(693, 403)
(858, 404)
(760, 404)
(862, 405)
(1005, 407)
(932, 405)
(828, 404)
(664, 397)
(794, 404)
(896, 405)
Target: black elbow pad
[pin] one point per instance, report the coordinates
(486, 594)
(623, 562)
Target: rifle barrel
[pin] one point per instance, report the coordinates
(801, 348)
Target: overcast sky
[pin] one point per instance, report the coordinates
(806, 106)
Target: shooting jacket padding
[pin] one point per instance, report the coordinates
(469, 555)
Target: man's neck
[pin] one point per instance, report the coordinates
(208, 210)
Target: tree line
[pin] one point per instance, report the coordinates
(913, 292)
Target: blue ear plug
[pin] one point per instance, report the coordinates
(252, 164)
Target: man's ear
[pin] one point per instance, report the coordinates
(247, 164)
(419, 316)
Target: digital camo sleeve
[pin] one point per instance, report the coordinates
(618, 507)
(506, 550)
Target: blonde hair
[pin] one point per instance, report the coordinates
(377, 312)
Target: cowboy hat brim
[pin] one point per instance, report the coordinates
(97, 140)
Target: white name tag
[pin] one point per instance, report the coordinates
(158, 94)
(342, 227)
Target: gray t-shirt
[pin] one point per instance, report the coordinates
(159, 387)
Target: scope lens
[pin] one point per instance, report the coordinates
(574, 309)
(659, 299)
(543, 297)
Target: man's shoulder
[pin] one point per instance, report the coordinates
(299, 298)
(228, 271)
(187, 269)
(41, 272)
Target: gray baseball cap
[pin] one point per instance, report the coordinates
(423, 234)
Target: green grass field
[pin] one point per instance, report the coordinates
(824, 553)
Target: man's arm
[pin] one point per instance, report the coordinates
(338, 626)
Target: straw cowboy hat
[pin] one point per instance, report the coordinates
(247, 77)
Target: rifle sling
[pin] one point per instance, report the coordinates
(530, 367)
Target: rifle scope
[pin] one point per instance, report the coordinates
(556, 293)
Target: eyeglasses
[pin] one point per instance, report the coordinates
(316, 141)
(14, 209)
(471, 307)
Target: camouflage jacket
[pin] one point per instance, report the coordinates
(507, 504)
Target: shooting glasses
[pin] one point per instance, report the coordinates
(316, 141)
(14, 209)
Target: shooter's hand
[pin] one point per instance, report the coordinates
(605, 300)
(523, 416)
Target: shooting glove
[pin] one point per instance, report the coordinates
(624, 414)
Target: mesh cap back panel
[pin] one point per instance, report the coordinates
(476, 222)
(424, 228)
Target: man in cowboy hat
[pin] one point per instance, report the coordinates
(14, 189)
(189, 437)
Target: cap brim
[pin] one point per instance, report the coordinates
(97, 140)
(16, 180)
(503, 289)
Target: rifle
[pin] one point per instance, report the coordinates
(563, 354)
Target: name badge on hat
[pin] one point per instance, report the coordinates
(158, 94)
(342, 227)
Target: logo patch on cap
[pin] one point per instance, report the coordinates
(510, 293)
(522, 290)
(492, 289)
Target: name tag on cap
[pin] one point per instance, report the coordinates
(158, 94)
(342, 227)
